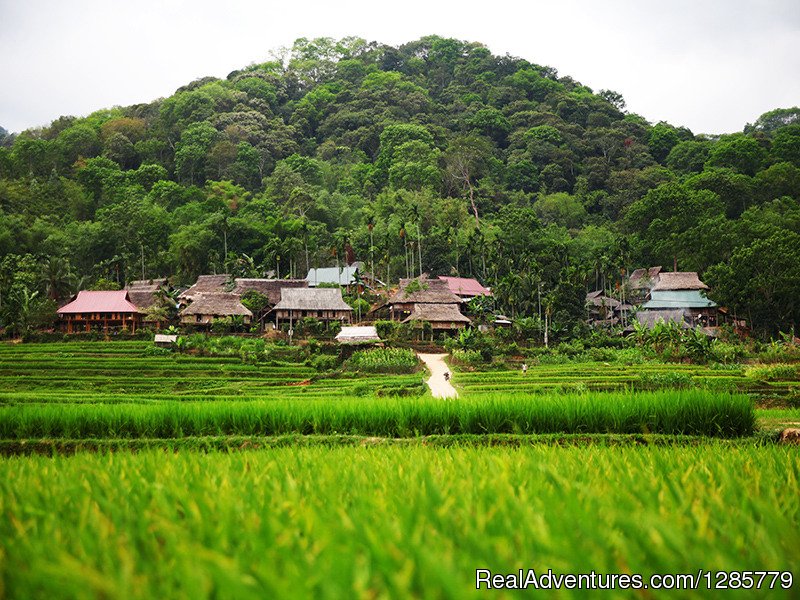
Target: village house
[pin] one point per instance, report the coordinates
(324, 304)
(465, 288)
(427, 300)
(683, 291)
(206, 307)
(99, 311)
(269, 288)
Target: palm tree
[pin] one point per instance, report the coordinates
(56, 278)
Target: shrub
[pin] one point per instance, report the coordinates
(384, 360)
(468, 358)
(771, 372)
(386, 329)
(324, 362)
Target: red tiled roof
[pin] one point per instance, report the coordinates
(462, 286)
(99, 302)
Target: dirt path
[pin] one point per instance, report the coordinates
(440, 388)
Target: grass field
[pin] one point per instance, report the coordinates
(129, 475)
(387, 522)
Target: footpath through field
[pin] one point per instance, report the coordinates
(440, 387)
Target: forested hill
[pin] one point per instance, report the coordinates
(435, 155)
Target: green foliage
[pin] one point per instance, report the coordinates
(772, 372)
(255, 301)
(384, 360)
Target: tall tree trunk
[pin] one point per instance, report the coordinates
(472, 203)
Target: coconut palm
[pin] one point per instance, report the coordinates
(56, 278)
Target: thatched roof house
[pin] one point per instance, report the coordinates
(601, 307)
(206, 307)
(425, 299)
(440, 316)
(325, 304)
(420, 290)
(683, 291)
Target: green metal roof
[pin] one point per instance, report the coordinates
(678, 299)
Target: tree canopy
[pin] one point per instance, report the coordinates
(435, 155)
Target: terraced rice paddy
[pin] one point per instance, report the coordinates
(610, 377)
(121, 372)
(202, 477)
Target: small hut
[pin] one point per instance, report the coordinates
(206, 307)
(358, 335)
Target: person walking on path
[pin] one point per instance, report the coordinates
(439, 381)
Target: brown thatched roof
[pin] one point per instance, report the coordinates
(143, 299)
(312, 299)
(644, 278)
(682, 280)
(271, 288)
(218, 304)
(148, 284)
(437, 313)
(207, 284)
(143, 292)
(428, 291)
(598, 299)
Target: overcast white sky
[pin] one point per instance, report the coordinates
(710, 65)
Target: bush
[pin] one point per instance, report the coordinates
(384, 360)
(324, 362)
(468, 358)
(727, 352)
(386, 329)
(771, 372)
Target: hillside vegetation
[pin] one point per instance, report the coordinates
(433, 156)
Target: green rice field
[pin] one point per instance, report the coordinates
(126, 473)
(362, 522)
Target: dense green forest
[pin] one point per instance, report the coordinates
(434, 156)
